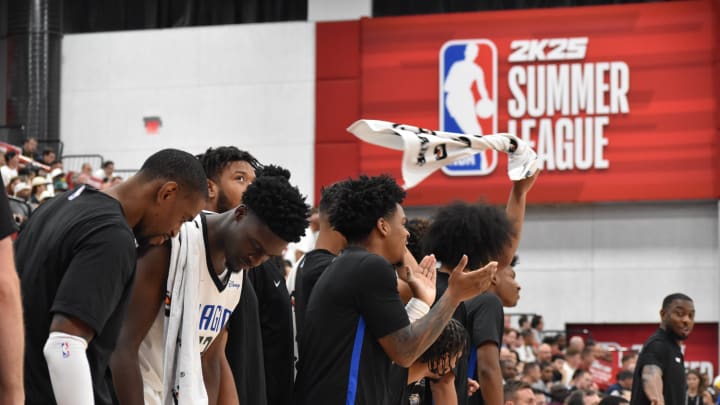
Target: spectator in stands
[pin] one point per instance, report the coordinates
(510, 338)
(10, 187)
(518, 393)
(540, 397)
(572, 363)
(558, 364)
(623, 384)
(587, 357)
(29, 149)
(10, 169)
(509, 370)
(531, 375)
(526, 351)
(523, 323)
(45, 196)
(105, 172)
(547, 373)
(58, 180)
(629, 359)
(581, 380)
(22, 191)
(697, 393)
(86, 169)
(543, 353)
(558, 394)
(537, 324)
(577, 343)
(583, 397)
(48, 156)
(39, 185)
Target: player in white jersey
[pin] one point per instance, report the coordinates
(273, 213)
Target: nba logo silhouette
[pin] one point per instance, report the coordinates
(468, 99)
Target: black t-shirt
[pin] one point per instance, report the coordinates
(309, 270)
(76, 256)
(661, 350)
(7, 224)
(354, 303)
(276, 326)
(244, 348)
(486, 323)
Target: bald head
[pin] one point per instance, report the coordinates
(544, 352)
(576, 342)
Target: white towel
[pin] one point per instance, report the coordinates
(425, 151)
(182, 380)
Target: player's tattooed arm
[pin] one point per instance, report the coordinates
(404, 346)
(652, 384)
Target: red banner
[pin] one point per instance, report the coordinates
(620, 102)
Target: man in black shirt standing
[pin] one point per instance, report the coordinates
(356, 324)
(659, 377)
(76, 261)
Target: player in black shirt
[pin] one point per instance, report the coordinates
(356, 324)
(11, 329)
(312, 265)
(659, 377)
(484, 233)
(76, 260)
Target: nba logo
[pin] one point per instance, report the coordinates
(65, 349)
(468, 99)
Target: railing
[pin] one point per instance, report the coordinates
(73, 163)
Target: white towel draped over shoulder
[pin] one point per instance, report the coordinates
(182, 380)
(425, 151)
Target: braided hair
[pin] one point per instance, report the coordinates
(446, 347)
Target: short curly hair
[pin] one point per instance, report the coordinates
(214, 161)
(417, 227)
(273, 170)
(479, 230)
(327, 198)
(449, 344)
(361, 202)
(279, 205)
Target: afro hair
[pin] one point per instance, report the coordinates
(480, 231)
(279, 205)
(360, 203)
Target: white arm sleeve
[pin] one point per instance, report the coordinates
(69, 369)
(416, 309)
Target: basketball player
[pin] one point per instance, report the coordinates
(355, 323)
(227, 243)
(76, 260)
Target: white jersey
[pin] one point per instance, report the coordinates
(218, 297)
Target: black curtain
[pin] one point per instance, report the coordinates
(382, 8)
(114, 15)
